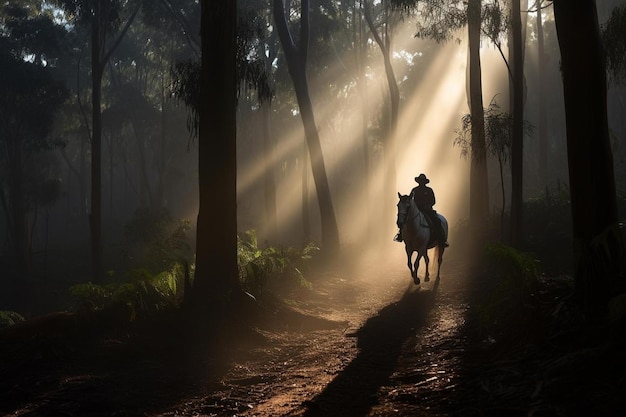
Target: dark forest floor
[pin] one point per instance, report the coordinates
(362, 342)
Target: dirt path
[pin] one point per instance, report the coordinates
(396, 354)
(365, 342)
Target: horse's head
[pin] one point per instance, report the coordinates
(403, 208)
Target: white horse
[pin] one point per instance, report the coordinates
(416, 234)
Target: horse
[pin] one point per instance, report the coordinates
(416, 234)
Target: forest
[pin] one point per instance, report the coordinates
(198, 203)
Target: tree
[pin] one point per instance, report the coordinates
(216, 278)
(542, 128)
(598, 246)
(383, 40)
(517, 146)
(296, 56)
(479, 190)
(31, 97)
(438, 21)
(103, 18)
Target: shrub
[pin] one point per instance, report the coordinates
(509, 284)
(139, 291)
(9, 318)
(257, 266)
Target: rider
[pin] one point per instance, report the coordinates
(424, 198)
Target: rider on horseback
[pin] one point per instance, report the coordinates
(425, 200)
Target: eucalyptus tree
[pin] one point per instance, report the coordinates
(517, 100)
(439, 20)
(383, 39)
(541, 112)
(257, 49)
(216, 280)
(104, 18)
(144, 116)
(296, 55)
(598, 243)
(32, 94)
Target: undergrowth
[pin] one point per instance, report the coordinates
(142, 291)
(508, 286)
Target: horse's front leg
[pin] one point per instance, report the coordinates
(409, 254)
(427, 262)
(416, 266)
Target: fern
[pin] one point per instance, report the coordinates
(257, 266)
(9, 318)
(139, 290)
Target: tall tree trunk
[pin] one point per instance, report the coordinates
(360, 42)
(296, 62)
(216, 276)
(517, 146)
(99, 58)
(95, 216)
(542, 134)
(479, 192)
(598, 245)
(394, 105)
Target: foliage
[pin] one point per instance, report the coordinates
(615, 43)
(156, 241)
(440, 19)
(257, 266)
(498, 132)
(139, 291)
(158, 249)
(186, 88)
(144, 292)
(9, 318)
(513, 277)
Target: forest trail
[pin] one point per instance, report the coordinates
(360, 342)
(364, 341)
(394, 351)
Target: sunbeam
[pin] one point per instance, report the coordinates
(429, 116)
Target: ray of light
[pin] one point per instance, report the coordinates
(429, 117)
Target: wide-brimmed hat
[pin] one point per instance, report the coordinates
(421, 179)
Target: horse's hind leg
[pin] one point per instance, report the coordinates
(440, 249)
(427, 261)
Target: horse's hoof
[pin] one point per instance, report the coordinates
(426, 279)
(416, 280)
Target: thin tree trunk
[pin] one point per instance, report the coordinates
(542, 134)
(95, 215)
(296, 62)
(394, 105)
(517, 146)
(479, 197)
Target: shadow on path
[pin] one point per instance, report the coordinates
(354, 391)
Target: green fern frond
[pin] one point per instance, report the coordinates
(9, 318)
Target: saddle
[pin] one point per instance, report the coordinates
(434, 223)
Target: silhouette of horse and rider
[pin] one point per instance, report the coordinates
(420, 226)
